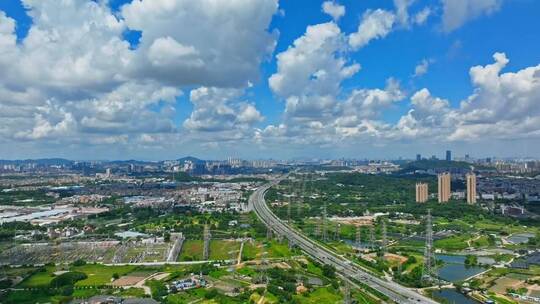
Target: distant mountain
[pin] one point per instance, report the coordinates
(42, 161)
(436, 165)
(129, 161)
(191, 159)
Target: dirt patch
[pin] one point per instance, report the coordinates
(127, 281)
(356, 221)
(503, 283)
(394, 257)
(160, 276)
(281, 265)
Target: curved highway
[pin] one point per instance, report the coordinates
(394, 291)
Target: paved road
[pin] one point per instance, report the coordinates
(394, 291)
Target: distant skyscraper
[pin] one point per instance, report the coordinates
(418, 157)
(421, 192)
(448, 155)
(471, 188)
(444, 187)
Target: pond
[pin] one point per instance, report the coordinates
(452, 296)
(520, 238)
(454, 268)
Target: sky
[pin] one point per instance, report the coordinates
(254, 79)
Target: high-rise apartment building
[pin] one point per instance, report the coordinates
(471, 188)
(444, 187)
(421, 192)
(448, 155)
(418, 157)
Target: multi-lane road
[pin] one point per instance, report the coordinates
(392, 290)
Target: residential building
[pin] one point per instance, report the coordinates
(444, 187)
(471, 188)
(421, 192)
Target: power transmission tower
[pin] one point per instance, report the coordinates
(371, 238)
(427, 274)
(269, 233)
(384, 238)
(291, 243)
(301, 198)
(347, 298)
(324, 232)
(337, 232)
(358, 237)
(289, 209)
(207, 236)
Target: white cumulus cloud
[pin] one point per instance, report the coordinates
(375, 24)
(333, 9)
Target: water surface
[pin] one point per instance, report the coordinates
(452, 296)
(454, 268)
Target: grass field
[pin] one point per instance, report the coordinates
(31, 297)
(502, 300)
(314, 269)
(85, 293)
(278, 250)
(39, 279)
(341, 247)
(482, 241)
(16, 271)
(251, 251)
(97, 275)
(362, 298)
(132, 293)
(320, 295)
(224, 250)
(453, 243)
(192, 250)
(180, 298)
(100, 274)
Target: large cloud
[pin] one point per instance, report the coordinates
(310, 73)
(309, 78)
(74, 78)
(503, 106)
(218, 111)
(205, 42)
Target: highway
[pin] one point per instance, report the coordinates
(392, 290)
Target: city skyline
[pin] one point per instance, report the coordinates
(332, 79)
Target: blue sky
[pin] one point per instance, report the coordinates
(237, 111)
